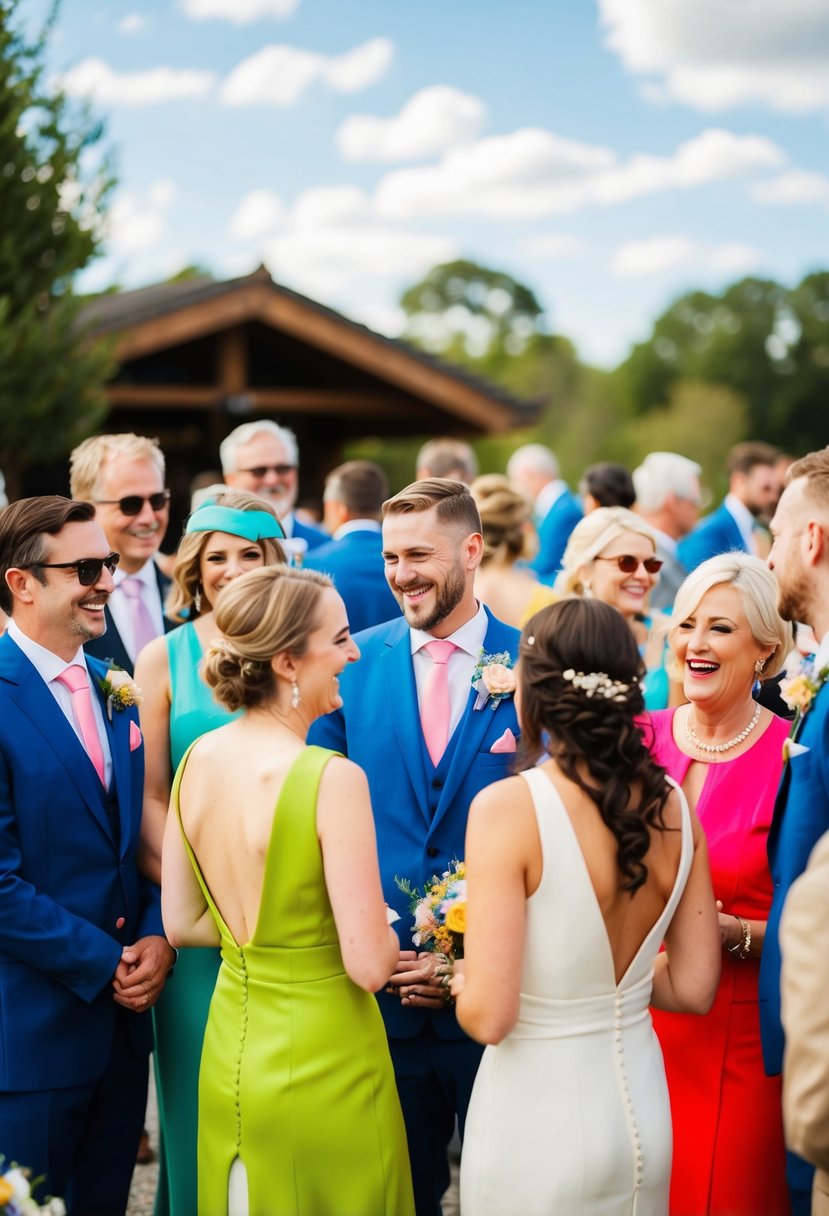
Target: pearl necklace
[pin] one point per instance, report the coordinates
(716, 748)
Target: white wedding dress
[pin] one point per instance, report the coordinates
(569, 1115)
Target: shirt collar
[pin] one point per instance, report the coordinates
(469, 638)
(48, 664)
(822, 654)
(666, 542)
(550, 494)
(742, 517)
(356, 525)
(145, 575)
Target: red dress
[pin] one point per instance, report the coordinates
(729, 1155)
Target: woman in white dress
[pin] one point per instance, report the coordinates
(578, 870)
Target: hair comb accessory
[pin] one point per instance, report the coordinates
(598, 683)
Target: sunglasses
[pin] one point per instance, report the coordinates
(629, 564)
(88, 568)
(261, 470)
(132, 504)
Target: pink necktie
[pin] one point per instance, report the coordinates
(143, 629)
(75, 679)
(434, 705)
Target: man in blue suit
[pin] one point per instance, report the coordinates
(800, 560)
(753, 490)
(82, 952)
(263, 458)
(352, 503)
(533, 470)
(393, 702)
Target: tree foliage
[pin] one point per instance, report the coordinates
(50, 206)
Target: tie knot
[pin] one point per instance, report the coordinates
(74, 678)
(439, 651)
(131, 587)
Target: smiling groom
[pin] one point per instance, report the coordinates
(428, 742)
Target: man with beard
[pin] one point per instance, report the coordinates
(753, 488)
(428, 742)
(800, 560)
(263, 458)
(123, 475)
(82, 952)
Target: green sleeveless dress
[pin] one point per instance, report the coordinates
(296, 1079)
(180, 1015)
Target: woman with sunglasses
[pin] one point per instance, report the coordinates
(227, 536)
(726, 752)
(611, 556)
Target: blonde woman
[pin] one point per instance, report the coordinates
(511, 591)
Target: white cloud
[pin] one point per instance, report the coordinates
(259, 213)
(278, 75)
(532, 173)
(655, 255)
(433, 120)
(133, 228)
(714, 55)
(95, 79)
(390, 321)
(553, 245)
(798, 187)
(132, 23)
(240, 12)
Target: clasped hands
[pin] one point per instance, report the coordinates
(141, 973)
(421, 980)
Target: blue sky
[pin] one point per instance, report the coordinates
(609, 153)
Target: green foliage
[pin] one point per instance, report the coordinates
(50, 379)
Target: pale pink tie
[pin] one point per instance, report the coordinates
(143, 629)
(75, 679)
(434, 705)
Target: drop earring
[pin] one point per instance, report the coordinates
(295, 697)
(197, 599)
(759, 665)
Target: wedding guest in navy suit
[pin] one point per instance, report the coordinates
(800, 560)
(263, 458)
(123, 475)
(428, 742)
(753, 489)
(533, 470)
(82, 952)
(352, 502)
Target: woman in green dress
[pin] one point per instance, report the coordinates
(232, 533)
(274, 859)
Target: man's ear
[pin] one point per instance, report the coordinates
(814, 542)
(19, 583)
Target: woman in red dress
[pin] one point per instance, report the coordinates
(727, 754)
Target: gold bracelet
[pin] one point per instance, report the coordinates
(742, 947)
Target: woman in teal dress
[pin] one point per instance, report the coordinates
(231, 534)
(271, 854)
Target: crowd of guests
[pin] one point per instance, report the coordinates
(207, 806)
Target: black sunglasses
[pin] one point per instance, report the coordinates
(132, 504)
(88, 568)
(261, 470)
(628, 564)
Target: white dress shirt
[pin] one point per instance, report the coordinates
(548, 496)
(462, 662)
(49, 666)
(744, 521)
(119, 605)
(356, 525)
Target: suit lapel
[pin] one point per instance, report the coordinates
(401, 701)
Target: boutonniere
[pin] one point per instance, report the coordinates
(799, 693)
(120, 690)
(493, 679)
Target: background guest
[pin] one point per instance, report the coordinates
(533, 470)
(753, 490)
(606, 485)
(452, 458)
(727, 753)
(668, 496)
(123, 475)
(223, 539)
(297, 1093)
(352, 504)
(611, 556)
(263, 458)
(511, 591)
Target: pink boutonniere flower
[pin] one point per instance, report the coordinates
(493, 679)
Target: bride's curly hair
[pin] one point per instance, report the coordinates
(594, 738)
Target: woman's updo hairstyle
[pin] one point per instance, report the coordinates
(580, 679)
(260, 614)
(504, 516)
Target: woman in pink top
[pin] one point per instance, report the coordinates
(727, 754)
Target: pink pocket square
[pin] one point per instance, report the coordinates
(505, 744)
(136, 738)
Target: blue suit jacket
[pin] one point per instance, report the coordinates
(553, 535)
(109, 647)
(717, 533)
(420, 812)
(356, 565)
(307, 532)
(64, 883)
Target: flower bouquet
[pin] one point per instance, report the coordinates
(16, 1196)
(440, 912)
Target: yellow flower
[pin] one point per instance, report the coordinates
(6, 1192)
(456, 917)
(798, 692)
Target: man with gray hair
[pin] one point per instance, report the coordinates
(668, 497)
(263, 458)
(533, 470)
(452, 458)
